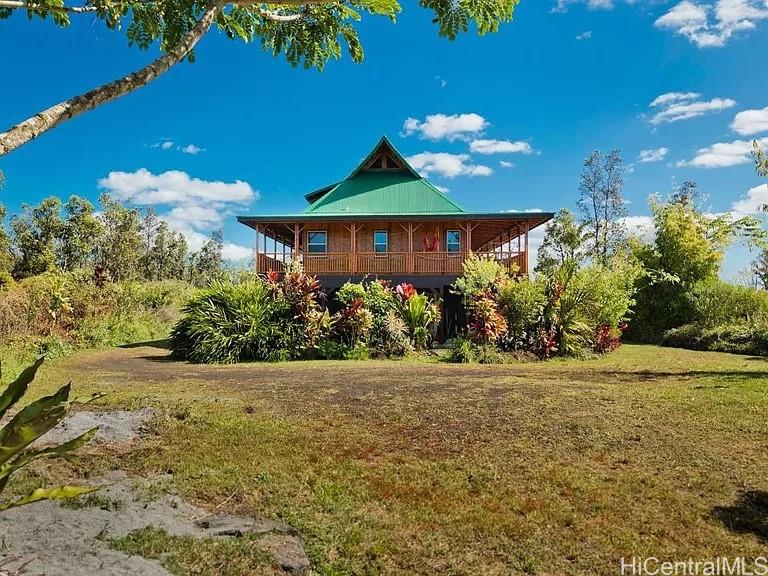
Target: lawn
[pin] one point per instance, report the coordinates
(415, 467)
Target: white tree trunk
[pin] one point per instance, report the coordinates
(55, 115)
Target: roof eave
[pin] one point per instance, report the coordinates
(314, 217)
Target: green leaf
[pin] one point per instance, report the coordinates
(59, 493)
(18, 387)
(10, 467)
(32, 422)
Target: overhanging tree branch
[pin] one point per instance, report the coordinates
(268, 14)
(20, 5)
(55, 115)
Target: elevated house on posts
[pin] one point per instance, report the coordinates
(386, 221)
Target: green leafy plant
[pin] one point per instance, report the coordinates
(420, 315)
(29, 424)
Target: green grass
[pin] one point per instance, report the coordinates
(189, 556)
(428, 468)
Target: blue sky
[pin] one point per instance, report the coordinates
(502, 122)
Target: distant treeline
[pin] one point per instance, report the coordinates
(117, 242)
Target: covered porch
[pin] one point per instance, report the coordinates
(416, 246)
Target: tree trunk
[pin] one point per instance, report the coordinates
(55, 115)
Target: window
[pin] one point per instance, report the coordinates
(453, 241)
(317, 242)
(380, 241)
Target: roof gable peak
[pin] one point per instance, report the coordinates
(384, 157)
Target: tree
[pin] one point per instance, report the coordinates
(6, 253)
(760, 269)
(149, 229)
(36, 232)
(602, 204)
(307, 32)
(208, 260)
(689, 248)
(565, 240)
(168, 254)
(80, 234)
(120, 250)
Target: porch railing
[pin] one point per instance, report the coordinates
(423, 263)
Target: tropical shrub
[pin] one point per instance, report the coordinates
(733, 338)
(254, 319)
(522, 301)
(420, 315)
(29, 424)
(568, 311)
(480, 275)
(228, 323)
(466, 351)
(462, 350)
(391, 322)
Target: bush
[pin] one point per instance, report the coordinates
(229, 323)
(733, 338)
(522, 302)
(716, 302)
(390, 322)
(569, 311)
(83, 312)
(464, 350)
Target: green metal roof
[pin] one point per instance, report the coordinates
(372, 192)
(389, 193)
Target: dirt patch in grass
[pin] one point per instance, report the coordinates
(133, 527)
(423, 468)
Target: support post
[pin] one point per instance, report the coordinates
(296, 239)
(410, 247)
(525, 258)
(256, 250)
(469, 238)
(353, 248)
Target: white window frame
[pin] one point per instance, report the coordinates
(448, 244)
(325, 244)
(386, 246)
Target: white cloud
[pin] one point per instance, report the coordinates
(164, 144)
(750, 122)
(752, 202)
(506, 164)
(443, 189)
(442, 82)
(144, 187)
(713, 23)
(500, 147)
(446, 127)
(672, 97)
(586, 35)
(676, 106)
(722, 154)
(562, 5)
(447, 165)
(192, 206)
(653, 154)
(191, 149)
(640, 226)
(235, 252)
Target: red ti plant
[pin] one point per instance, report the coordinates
(487, 324)
(405, 291)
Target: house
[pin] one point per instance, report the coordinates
(385, 220)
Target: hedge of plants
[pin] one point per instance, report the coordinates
(571, 312)
(285, 317)
(723, 317)
(58, 310)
